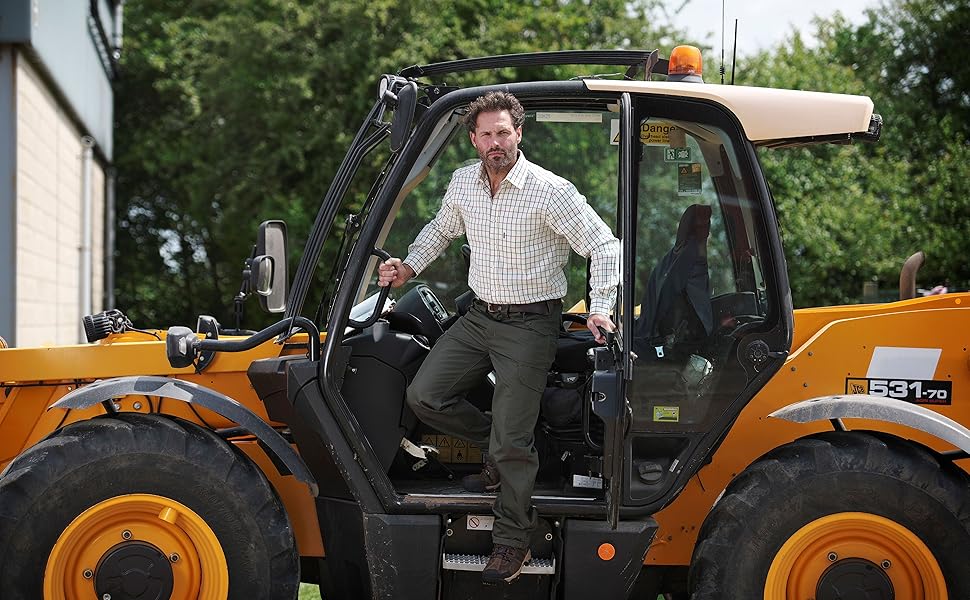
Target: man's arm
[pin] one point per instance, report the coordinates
(428, 245)
(571, 216)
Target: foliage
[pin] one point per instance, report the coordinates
(230, 113)
(853, 214)
(234, 112)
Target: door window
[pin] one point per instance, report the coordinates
(699, 283)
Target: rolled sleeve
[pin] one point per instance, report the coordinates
(437, 234)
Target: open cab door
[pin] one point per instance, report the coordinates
(704, 308)
(612, 363)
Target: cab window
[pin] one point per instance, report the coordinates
(574, 145)
(699, 284)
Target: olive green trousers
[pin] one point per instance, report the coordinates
(520, 348)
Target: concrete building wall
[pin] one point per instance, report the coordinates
(49, 175)
(8, 188)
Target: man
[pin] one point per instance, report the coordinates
(520, 221)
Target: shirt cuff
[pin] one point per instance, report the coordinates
(416, 263)
(600, 306)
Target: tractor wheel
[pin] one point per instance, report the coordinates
(142, 507)
(839, 515)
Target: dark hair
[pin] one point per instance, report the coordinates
(494, 102)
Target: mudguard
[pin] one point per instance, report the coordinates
(186, 391)
(877, 408)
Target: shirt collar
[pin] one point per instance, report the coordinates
(519, 172)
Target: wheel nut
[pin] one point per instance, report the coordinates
(174, 557)
(833, 557)
(87, 574)
(885, 563)
(126, 535)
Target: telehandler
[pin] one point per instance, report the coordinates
(720, 445)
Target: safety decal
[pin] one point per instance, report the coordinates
(666, 414)
(689, 179)
(453, 450)
(652, 133)
(480, 522)
(675, 154)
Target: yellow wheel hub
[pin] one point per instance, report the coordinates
(848, 540)
(163, 526)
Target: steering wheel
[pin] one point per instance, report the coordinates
(381, 298)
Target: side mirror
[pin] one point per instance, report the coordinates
(407, 100)
(268, 272)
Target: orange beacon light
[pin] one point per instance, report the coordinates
(685, 65)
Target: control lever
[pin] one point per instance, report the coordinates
(609, 335)
(379, 329)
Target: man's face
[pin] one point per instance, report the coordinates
(496, 140)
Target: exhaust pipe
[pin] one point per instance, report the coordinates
(907, 276)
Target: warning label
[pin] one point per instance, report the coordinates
(689, 179)
(480, 522)
(666, 414)
(655, 133)
(453, 450)
(652, 133)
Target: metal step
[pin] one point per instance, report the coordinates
(476, 562)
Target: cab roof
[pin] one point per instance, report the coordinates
(767, 115)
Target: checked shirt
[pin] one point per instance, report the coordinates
(521, 238)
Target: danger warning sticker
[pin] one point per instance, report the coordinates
(652, 133)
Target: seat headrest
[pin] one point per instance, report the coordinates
(695, 224)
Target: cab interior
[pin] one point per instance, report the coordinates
(699, 286)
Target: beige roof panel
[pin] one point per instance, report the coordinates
(765, 113)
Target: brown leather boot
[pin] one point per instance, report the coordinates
(505, 564)
(486, 481)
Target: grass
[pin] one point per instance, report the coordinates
(309, 592)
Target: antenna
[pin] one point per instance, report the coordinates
(722, 42)
(734, 55)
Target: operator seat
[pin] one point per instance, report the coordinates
(675, 313)
(672, 335)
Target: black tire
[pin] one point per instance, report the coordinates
(44, 489)
(823, 479)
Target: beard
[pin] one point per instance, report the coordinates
(498, 158)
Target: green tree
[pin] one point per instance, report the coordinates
(853, 214)
(910, 56)
(234, 112)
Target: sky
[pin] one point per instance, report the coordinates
(761, 23)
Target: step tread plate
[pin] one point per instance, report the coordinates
(476, 562)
